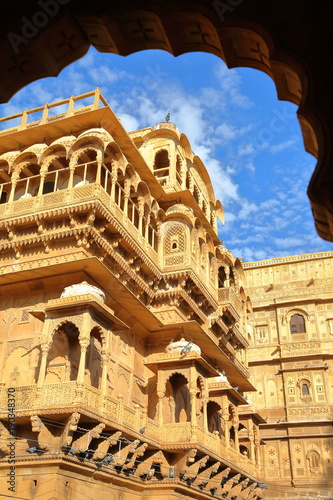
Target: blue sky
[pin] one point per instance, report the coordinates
(249, 141)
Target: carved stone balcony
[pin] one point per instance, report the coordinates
(80, 198)
(227, 297)
(66, 397)
(176, 434)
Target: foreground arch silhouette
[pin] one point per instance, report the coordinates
(287, 40)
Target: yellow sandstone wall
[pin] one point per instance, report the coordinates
(293, 372)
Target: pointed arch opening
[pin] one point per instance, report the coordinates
(64, 355)
(177, 399)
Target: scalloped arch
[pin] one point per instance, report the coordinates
(51, 154)
(144, 192)
(24, 159)
(63, 322)
(176, 372)
(75, 153)
(101, 332)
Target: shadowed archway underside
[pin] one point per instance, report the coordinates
(291, 41)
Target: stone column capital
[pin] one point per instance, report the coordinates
(84, 342)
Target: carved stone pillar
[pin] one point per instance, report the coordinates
(42, 370)
(227, 276)
(251, 439)
(126, 198)
(193, 400)
(226, 430)
(205, 416)
(99, 170)
(160, 407)
(114, 178)
(160, 394)
(257, 446)
(172, 405)
(193, 394)
(84, 343)
(13, 188)
(235, 426)
(71, 178)
(147, 228)
(141, 214)
(159, 240)
(41, 184)
(104, 379)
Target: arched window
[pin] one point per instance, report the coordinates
(221, 277)
(161, 160)
(314, 460)
(177, 399)
(214, 417)
(161, 166)
(297, 324)
(305, 390)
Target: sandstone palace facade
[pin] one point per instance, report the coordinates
(138, 357)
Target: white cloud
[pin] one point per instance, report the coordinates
(104, 75)
(226, 132)
(250, 166)
(129, 122)
(230, 83)
(289, 242)
(277, 148)
(247, 209)
(248, 149)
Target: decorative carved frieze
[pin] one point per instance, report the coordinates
(15, 344)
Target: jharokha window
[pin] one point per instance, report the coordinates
(305, 390)
(297, 324)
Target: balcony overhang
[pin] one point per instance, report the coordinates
(98, 273)
(186, 197)
(220, 388)
(210, 348)
(176, 359)
(73, 122)
(69, 305)
(243, 412)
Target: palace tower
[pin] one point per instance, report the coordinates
(123, 340)
(132, 363)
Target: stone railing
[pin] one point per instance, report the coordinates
(77, 195)
(71, 106)
(72, 396)
(227, 296)
(184, 432)
(282, 260)
(176, 433)
(93, 192)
